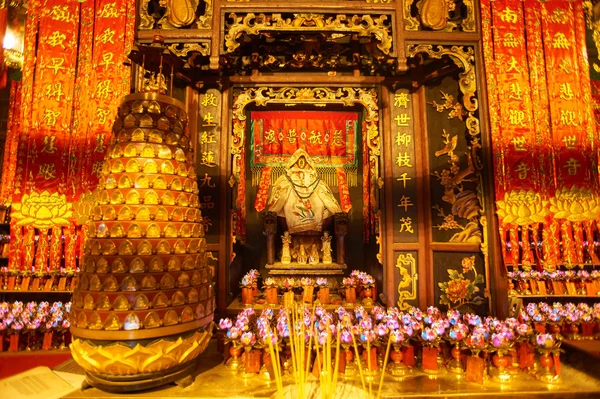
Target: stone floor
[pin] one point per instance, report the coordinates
(216, 381)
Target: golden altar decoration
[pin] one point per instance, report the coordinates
(143, 310)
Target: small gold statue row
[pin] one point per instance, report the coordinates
(150, 166)
(129, 283)
(151, 320)
(154, 230)
(156, 265)
(148, 122)
(142, 213)
(147, 197)
(142, 181)
(138, 135)
(301, 255)
(141, 301)
(147, 150)
(96, 247)
(154, 108)
(158, 300)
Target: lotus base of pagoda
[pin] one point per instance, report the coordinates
(140, 382)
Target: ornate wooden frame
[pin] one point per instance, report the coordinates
(319, 96)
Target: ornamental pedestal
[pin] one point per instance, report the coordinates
(143, 310)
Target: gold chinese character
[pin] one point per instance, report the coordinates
(102, 115)
(404, 178)
(107, 59)
(405, 202)
(514, 91)
(97, 168)
(512, 65)
(49, 145)
(206, 181)
(522, 170)
(571, 166)
(207, 203)
(209, 100)
(519, 143)
(109, 11)
(54, 90)
(510, 40)
(401, 100)
(559, 16)
(100, 147)
(567, 118)
(57, 39)
(337, 138)
(292, 136)
(208, 159)
(406, 225)
(103, 90)
(207, 138)
(565, 91)
(516, 117)
(508, 15)
(208, 120)
(402, 119)
(60, 13)
(57, 65)
(403, 139)
(107, 36)
(565, 66)
(315, 138)
(50, 117)
(403, 160)
(570, 142)
(48, 170)
(270, 136)
(560, 41)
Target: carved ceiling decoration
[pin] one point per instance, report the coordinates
(175, 14)
(365, 27)
(307, 52)
(439, 15)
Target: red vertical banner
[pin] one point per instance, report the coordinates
(543, 131)
(573, 129)
(110, 80)
(12, 143)
(519, 195)
(54, 86)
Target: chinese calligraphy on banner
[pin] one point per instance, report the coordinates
(404, 192)
(70, 82)
(543, 130)
(209, 121)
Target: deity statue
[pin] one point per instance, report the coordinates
(302, 255)
(313, 257)
(301, 197)
(286, 239)
(326, 247)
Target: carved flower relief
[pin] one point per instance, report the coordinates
(460, 290)
(522, 208)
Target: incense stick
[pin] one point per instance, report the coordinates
(362, 379)
(385, 360)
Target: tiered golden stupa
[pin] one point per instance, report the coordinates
(144, 306)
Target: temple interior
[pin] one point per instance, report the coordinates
(255, 198)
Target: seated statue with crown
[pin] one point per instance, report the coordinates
(304, 213)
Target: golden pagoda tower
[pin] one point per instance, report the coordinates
(143, 309)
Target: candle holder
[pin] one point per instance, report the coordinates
(397, 368)
(501, 362)
(235, 361)
(546, 372)
(455, 365)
